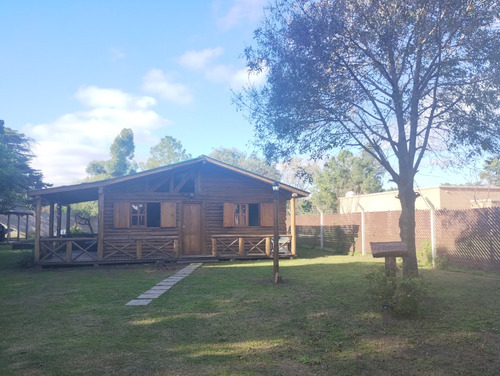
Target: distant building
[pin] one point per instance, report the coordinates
(441, 197)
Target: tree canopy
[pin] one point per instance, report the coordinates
(250, 162)
(17, 177)
(491, 172)
(121, 162)
(361, 174)
(397, 78)
(167, 151)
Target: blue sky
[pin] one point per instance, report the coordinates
(74, 73)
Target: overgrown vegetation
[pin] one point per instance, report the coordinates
(228, 318)
(402, 295)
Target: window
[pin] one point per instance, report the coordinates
(244, 215)
(145, 214)
(138, 215)
(240, 215)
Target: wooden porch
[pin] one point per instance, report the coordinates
(84, 250)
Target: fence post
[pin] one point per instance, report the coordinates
(433, 229)
(363, 248)
(321, 231)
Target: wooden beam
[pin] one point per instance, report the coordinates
(100, 225)
(51, 220)
(293, 226)
(68, 219)
(241, 246)
(8, 227)
(38, 226)
(59, 220)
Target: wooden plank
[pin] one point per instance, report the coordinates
(228, 213)
(168, 214)
(389, 249)
(267, 214)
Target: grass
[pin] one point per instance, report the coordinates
(229, 319)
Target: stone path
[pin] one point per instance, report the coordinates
(163, 286)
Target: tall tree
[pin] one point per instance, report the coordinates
(167, 151)
(121, 162)
(397, 78)
(361, 174)
(17, 177)
(250, 162)
(491, 172)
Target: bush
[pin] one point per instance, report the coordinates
(26, 260)
(402, 295)
(424, 256)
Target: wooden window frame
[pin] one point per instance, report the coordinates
(143, 215)
(266, 214)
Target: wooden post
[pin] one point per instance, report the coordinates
(58, 217)
(68, 219)
(69, 250)
(38, 227)
(214, 247)
(176, 248)
(18, 226)
(268, 245)
(100, 225)
(8, 227)
(241, 246)
(51, 220)
(27, 226)
(390, 266)
(293, 226)
(138, 253)
(276, 256)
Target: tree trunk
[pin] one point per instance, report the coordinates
(407, 228)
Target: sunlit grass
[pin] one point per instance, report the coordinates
(228, 318)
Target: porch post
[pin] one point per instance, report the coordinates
(68, 219)
(276, 257)
(18, 226)
(8, 227)
(51, 220)
(38, 227)
(27, 225)
(293, 222)
(100, 225)
(59, 215)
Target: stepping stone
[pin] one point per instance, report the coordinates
(149, 295)
(139, 302)
(160, 288)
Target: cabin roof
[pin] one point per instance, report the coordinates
(69, 194)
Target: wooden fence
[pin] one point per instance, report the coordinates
(468, 238)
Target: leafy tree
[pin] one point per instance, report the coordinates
(491, 172)
(242, 159)
(397, 78)
(169, 150)
(17, 177)
(121, 162)
(361, 174)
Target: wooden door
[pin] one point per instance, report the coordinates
(191, 229)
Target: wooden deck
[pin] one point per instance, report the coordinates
(83, 251)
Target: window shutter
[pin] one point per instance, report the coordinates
(267, 214)
(228, 214)
(121, 215)
(168, 214)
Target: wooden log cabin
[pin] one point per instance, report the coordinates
(199, 208)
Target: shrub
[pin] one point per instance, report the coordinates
(402, 295)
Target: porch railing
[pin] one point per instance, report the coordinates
(248, 245)
(84, 250)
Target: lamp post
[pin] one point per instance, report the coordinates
(276, 277)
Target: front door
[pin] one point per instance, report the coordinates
(191, 229)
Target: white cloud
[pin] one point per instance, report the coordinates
(156, 82)
(199, 59)
(241, 10)
(65, 146)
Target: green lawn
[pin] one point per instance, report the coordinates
(228, 318)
